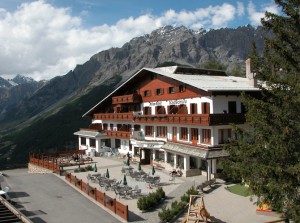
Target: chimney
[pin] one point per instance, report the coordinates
(249, 74)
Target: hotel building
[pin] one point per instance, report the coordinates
(170, 116)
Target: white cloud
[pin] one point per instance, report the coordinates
(240, 9)
(256, 16)
(43, 41)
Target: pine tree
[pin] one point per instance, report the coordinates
(267, 154)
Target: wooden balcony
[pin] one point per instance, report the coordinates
(186, 119)
(193, 119)
(114, 116)
(124, 99)
(118, 134)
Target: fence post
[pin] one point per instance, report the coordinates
(115, 205)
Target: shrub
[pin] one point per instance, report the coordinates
(89, 168)
(82, 169)
(151, 199)
(167, 214)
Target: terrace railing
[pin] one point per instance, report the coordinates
(190, 119)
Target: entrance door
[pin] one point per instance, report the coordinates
(174, 133)
(145, 160)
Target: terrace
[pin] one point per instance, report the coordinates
(173, 189)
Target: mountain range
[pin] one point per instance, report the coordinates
(42, 116)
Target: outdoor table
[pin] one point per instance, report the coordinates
(128, 167)
(96, 175)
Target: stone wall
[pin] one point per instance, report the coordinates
(37, 169)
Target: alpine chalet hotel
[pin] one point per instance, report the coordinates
(170, 116)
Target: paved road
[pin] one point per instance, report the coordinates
(46, 198)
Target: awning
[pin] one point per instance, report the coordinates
(90, 134)
(212, 153)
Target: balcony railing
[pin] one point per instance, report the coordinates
(118, 134)
(189, 119)
(113, 116)
(130, 98)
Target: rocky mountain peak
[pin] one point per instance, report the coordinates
(20, 79)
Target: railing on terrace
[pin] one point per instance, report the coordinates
(190, 119)
(114, 116)
(130, 98)
(110, 203)
(118, 134)
(47, 162)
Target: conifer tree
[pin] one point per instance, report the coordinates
(267, 154)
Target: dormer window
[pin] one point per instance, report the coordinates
(159, 91)
(147, 93)
(171, 90)
(181, 88)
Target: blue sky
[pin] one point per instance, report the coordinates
(46, 38)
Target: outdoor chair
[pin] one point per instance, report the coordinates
(107, 186)
(122, 194)
(129, 193)
(137, 193)
(123, 170)
(91, 178)
(116, 192)
(172, 179)
(156, 182)
(101, 184)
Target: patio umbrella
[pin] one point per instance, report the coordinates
(139, 167)
(153, 170)
(107, 173)
(124, 180)
(95, 168)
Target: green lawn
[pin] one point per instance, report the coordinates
(239, 189)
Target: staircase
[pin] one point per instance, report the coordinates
(9, 214)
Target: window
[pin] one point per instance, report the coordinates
(172, 109)
(206, 135)
(171, 90)
(111, 126)
(205, 106)
(83, 141)
(149, 130)
(105, 126)
(224, 135)
(161, 131)
(92, 143)
(232, 107)
(182, 109)
(160, 110)
(193, 162)
(193, 109)
(194, 135)
(147, 93)
(181, 88)
(183, 133)
(137, 128)
(147, 110)
(159, 91)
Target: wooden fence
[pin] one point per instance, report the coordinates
(107, 201)
(47, 162)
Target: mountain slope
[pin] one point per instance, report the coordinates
(41, 117)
